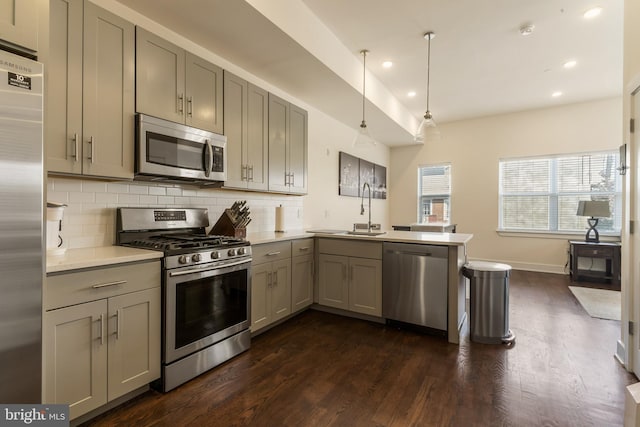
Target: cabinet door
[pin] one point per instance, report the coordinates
(159, 77)
(278, 142)
(63, 100)
(365, 287)
(297, 150)
(301, 282)
(204, 94)
(108, 94)
(260, 296)
(75, 356)
(235, 129)
(333, 285)
(134, 341)
(257, 158)
(19, 23)
(280, 289)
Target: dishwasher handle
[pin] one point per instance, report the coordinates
(423, 254)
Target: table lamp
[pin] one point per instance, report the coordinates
(594, 209)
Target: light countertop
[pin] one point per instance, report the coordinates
(75, 259)
(446, 239)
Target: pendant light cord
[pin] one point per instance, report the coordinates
(364, 69)
(428, 67)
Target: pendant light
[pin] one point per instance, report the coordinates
(428, 131)
(363, 139)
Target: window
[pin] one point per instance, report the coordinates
(434, 193)
(542, 194)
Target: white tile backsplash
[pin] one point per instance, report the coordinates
(89, 220)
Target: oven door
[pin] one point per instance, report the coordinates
(204, 306)
(168, 149)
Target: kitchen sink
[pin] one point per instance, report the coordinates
(366, 233)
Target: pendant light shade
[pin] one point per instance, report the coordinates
(428, 130)
(363, 139)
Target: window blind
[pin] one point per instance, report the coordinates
(434, 193)
(542, 194)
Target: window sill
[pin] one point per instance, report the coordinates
(561, 235)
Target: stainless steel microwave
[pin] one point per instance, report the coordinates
(168, 151)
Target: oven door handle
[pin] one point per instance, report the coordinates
(198, 270)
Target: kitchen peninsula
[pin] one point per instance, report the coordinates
(337, 240)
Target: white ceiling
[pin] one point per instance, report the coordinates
(480, 64)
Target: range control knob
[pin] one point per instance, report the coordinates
(197, 257)
(184, 259)
(215, 255)
(242, 251)
(232, 252)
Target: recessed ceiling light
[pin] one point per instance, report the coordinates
(570, 64)
(411, 94)
(527, 29)
(592, 13)
(556, 94)
(387, 64)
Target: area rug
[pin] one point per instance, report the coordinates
(599, 303)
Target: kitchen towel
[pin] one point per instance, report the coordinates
(279, 219)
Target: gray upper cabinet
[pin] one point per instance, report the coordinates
(246, 127)
(90, 91)
(19, 23)
(176, 85)
(287, 147)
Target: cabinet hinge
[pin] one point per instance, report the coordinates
(631, 328)
(632, 125)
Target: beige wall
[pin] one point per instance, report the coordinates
(474, 148)
(323, 207)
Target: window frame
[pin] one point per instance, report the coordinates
(446, 196)
(554, 194)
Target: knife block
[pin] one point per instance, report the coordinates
(225, 227)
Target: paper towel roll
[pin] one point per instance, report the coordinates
(279, 218)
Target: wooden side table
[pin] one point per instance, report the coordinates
(608, 251)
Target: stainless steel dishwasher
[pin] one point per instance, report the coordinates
(414, 284)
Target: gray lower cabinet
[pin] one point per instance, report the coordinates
(19, 23)
(176, 85)
(350, 276)
(287, 147)
(302, 273)
(246, 126)
(270, 284)
(101, 334)
(89, 128)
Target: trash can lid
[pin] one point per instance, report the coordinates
(487, 266)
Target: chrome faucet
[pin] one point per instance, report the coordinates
(366, 185)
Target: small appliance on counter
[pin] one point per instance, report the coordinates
(55, 212)
(233, 221)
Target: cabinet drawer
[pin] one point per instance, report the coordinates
(351, 248)
(302, 247)
(599, 252)
(271, 252)
(65, 289)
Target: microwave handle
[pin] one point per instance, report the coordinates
(208, 165)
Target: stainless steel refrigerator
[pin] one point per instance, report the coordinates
(21, 234)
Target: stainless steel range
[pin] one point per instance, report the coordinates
(206, 288)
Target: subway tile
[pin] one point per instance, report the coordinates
(138, 189)
(166, 200)
(157, 191)
(148, 200)
(78, 197)
(58, 196)
(174, 191)
(114, 187)
(64, 184)
(128, 199)
(106, 198)
(94, 187)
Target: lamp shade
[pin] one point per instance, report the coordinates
(594, 209)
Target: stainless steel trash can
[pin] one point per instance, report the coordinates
(489, 302)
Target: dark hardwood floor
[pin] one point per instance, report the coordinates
(319, 369)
